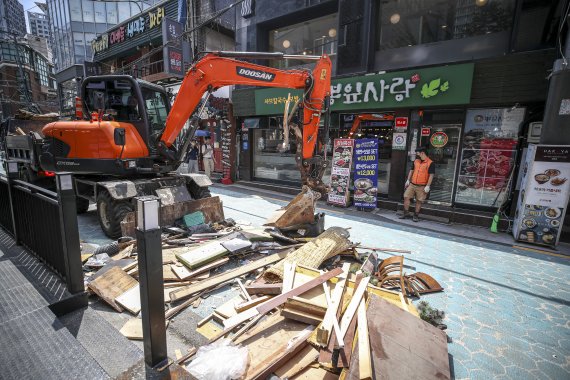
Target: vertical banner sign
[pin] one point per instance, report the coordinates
(340, 173)
(172, 52)
(226, 151)
(365, 173)
(543, 199)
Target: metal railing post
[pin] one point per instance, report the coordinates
(11, 175)
(149, 249)
(70, 233)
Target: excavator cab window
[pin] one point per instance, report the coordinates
(156, 104)
(115, 97)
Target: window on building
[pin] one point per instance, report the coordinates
(409, 23)
(88, 13)
(112, 13)
(313, 37)
(75, 9)
(100, 12)
(124, 11)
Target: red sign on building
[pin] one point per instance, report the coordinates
(401, 122)
(426, 131)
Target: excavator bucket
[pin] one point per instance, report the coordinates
(301, 210)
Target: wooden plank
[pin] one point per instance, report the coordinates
(175, 310)
(216, 280)
(252, 303)
(365, 363)
(302, 304)
(228, 309)
(312, 373)
(402, 345)
(330, 316)
(288, 276)
(279, 300)
(297, 363)
(352, 306)
(202, 254)
(270, 289)
(204, 320)
(132, 329)
(131, 299)
(112, 284)
(300, 315)
(168, 274)
(243, 291)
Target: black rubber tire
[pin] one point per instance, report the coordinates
(82, 205)
(110, 213)
(198, 192)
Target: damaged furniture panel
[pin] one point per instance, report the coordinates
(390, 273)
(421, 283)
(300, 210)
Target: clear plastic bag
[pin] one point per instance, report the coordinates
(220, 360)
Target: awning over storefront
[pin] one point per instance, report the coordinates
(251, 123)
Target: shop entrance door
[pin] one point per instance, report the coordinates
(442, 143)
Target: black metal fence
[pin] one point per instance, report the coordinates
(45, 222)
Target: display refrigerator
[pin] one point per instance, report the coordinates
(543, 196)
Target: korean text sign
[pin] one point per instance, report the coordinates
(340, 173)
(365, 173)
(432, 86)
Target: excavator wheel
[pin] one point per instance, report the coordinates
(82, 205)
(198, 192)
(110, 213)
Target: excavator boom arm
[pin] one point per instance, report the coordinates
(215, 70)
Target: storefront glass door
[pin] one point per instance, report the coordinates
(442, 143)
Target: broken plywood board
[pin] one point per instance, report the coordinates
(209, 330)
(227, 309)
(312, 373)
(199, 256)
(267, 343)
(297, 363)
(403, 346)
(131, 299)
(111, 285)
(133, 329)
(184, 273)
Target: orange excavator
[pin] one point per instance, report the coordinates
(127, 142)
(358, 119)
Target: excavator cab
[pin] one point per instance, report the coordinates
(123, 99)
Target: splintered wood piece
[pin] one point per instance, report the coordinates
(112, 284)
(297, 363)
(251, 303)
(312, 373)
(330, 316)
(227, 309)
(288, 276)
(365, 363)
(202, 254)
(202, 322)
(270, 289)
(243, 290)
(175, 310)
(230, 275)
(352, 306)
(132, 329)
(302, 304)
(279, 300)
(184, 273)
(300, 315)
(131, 299)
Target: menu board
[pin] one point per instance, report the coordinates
(340, 172)
(365, 173)
(488, 155)
(544, 195)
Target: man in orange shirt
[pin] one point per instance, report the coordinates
(418, 183)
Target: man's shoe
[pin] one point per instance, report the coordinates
(415, 218)
(404, 215)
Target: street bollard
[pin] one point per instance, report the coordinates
(70, 233)
(149, 249)
(11, 175)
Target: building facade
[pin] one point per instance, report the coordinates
(12, 17)
(38, 79)
(73, 25)
(39, 25)
(467, 79)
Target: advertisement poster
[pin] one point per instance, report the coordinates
(365, 173)
(340, 172)
(544, 195)
(489, 153)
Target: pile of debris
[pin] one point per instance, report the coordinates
(308, 307)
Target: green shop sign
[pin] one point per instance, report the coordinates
(437, 86)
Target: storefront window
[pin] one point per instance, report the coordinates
(439, 132)
(489, 153)
(272, 159)
(373, 126)
(314, 37)
(409, 23)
